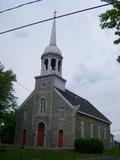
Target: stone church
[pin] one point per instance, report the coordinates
(52, 116)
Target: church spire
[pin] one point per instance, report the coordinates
(52, 55)
(53, 33)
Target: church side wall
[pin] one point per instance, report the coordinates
(101, 130)
(23, 122)
(66, 123)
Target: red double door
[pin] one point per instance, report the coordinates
(41, 134)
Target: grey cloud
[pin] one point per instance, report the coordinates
(21, 35)
(88, 75)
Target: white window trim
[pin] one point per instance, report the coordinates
(91, 131)
(82, 129)
(61, 113)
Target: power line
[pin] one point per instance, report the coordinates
(21, 5)
(49, 19)
(23, 86)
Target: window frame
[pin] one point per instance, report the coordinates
(43, 105)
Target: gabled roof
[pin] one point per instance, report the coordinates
(85, 107)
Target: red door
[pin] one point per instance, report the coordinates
(41, 134)
(60, 138)
(24, 137)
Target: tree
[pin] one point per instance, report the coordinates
(118, 59)
(111, 18)
(7, 98)
(7, 102)
(7, 132)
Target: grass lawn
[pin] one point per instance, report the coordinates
(112, 152)
(41, 154)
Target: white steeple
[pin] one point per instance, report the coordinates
(52, 56)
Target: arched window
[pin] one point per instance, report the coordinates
(105, 133)
(99, 132)
(42, 105)
(59, 66)
(46, 64)
(61, 112)
(41, 125)
(91, 130)
(25, 114)
(53, 63)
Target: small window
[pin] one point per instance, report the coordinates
(42, 105)
(99, 132)
(91, 131)
(25, 114)
(46, 64)
(53, 63)
(61, 112)
(82, 130)
(105, 133)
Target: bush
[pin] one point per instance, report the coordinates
(89, 145)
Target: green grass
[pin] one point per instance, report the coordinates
(112, 152)
(41, 154)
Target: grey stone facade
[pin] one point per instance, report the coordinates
(29, 116)
(99, 129)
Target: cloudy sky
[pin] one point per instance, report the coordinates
(89, 63)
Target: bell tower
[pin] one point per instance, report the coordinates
(51, 62)
(51, 59)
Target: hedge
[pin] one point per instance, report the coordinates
(89, 145)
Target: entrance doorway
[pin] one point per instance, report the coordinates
(40, 134)
(24, 137)
(60, 138)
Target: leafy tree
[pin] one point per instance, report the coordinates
(118, 59)
(7, 132)
(111, 18)
(7, 103)
(7, 98)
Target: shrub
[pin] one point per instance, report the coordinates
(89, 145)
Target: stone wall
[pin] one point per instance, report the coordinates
(23, 121)
(65, 123)
(100, 128)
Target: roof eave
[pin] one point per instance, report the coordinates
(94, 117)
